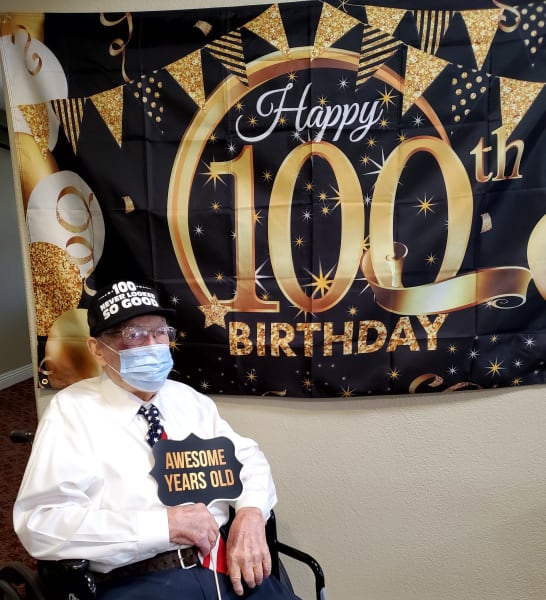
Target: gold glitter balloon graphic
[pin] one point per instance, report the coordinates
(56, 282)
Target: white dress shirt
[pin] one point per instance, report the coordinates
(87, 491)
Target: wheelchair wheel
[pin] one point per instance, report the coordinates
(16, 576)
(8, 592)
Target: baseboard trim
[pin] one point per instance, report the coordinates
(15, 376)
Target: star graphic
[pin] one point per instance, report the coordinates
(321, 282)
(425, 205)
(346, 392)
(214, 312)
(494, 367)
(307, 383)
(387, 97)
(213, 174)
(394, 374)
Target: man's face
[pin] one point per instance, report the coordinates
(105, 347)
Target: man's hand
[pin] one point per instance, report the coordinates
(193, 525)
(248, 556)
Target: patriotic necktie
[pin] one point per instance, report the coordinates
(155, 430)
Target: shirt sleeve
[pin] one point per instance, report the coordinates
(58, 513)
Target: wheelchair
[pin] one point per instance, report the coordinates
(71, 579)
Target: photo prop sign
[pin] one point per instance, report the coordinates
(196, 470)
(339, 199)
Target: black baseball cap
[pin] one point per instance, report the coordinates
(121, 301)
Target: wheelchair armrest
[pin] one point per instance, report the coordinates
(67, 579)
(303, 557)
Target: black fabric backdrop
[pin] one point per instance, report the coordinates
(270, 232)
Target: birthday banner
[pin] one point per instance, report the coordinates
(338, 198)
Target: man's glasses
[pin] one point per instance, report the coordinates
(137, 335)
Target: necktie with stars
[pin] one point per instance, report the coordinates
(156, 431)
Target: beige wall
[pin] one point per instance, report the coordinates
(436, 497)
(14, 340)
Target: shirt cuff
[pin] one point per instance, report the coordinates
(153, 532)
(256, 500)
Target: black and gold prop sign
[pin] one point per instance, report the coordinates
(196, 470)
(338, 198)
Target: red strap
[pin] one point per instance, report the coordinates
(221, 558)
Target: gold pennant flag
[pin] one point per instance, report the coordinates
(188, 73)
(333, 25)
(269, 26)
(516, 97)
(109, 104)
(482, 26)
(421, 70)
(38, 121)
(386, 19)
(70, 113)
(229, 51)
(377, 47)
(432, 25)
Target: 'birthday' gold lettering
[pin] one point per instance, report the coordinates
(351, 337)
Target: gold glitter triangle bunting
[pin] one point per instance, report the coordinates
(269, 26)
(421, 70)
(482, 26)
(333, 25)
(188, 73)
(38, 121)
(229, 51)
(386, 19)
(70, 114)
(109, 104)
(432, 25)
(377, 48)
(516, 97)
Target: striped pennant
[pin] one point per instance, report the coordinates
(431, 25)
(229, 51)
(70, 113)
(377, 48)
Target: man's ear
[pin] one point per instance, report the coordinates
(96, 350)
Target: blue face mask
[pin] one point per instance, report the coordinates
(145, 368)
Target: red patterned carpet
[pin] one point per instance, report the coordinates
(18, 409)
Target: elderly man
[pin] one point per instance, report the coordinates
(88, 493)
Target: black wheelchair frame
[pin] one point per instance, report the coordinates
(71, 579)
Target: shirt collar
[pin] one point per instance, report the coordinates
(122, 404)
